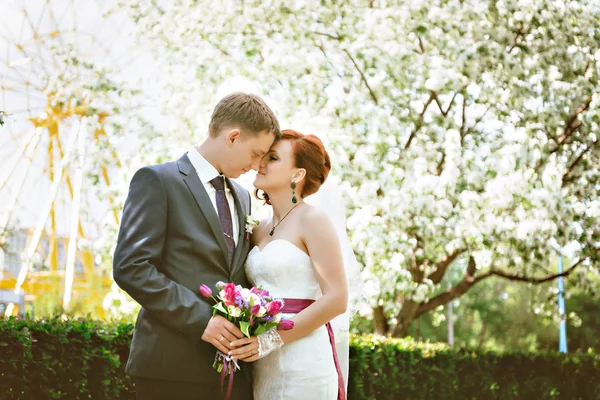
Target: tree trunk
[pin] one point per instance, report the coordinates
(405, 318)
(380, 320)
(482, 335)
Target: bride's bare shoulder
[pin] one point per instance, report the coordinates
(315, 216)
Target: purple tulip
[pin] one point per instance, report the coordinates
(286, 324)
(205, 291)
(255, 309)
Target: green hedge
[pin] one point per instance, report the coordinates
(383, 368)
(82, 359)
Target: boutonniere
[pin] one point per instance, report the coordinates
(251, 222)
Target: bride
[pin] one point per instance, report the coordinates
(297, 256)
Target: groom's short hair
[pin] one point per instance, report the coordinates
(246, 111)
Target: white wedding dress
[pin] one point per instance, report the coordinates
(304, 369)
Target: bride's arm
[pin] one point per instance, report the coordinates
(321, 240)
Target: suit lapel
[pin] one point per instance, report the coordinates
(197, 188)
(241, 215)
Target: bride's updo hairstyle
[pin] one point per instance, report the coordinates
(309, 154)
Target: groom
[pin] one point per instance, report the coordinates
(183, 225)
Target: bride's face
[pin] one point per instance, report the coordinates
(276, 168)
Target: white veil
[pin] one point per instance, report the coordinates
(329, 198)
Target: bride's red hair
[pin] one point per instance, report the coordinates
(309, 154)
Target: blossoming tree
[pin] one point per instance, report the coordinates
(465, 132)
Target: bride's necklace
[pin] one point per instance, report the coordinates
(276, 225)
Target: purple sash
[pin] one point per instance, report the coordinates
(294, 306)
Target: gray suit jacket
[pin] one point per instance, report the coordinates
(170, 242)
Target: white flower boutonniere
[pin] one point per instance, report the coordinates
(251, 222)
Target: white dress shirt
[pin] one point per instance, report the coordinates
(206, 172)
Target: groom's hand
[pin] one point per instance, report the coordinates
(220, 333)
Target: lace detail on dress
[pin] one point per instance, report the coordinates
(268, 341)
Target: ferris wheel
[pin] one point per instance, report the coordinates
(60, 61)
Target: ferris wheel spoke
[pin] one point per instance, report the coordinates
(34, 60)
(12, 202)
(68, 180)
(111, 198)
(75, 222)
(18, 157)
(34, 29)
(46, 210)
(57, 34)
(20, 44)
(39, 23)
(14, 91)
(9, 68)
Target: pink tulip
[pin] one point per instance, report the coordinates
(229, 294)
(274, 307)
(263, 293)
(205, 291)
(255, 309)
(254, 290)
(286, 324)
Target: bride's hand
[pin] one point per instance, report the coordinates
(245, 349)
(256, 347)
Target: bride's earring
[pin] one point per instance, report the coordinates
(294, 200)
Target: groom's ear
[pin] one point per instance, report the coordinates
(232, 136)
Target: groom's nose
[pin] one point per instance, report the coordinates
(255, 165)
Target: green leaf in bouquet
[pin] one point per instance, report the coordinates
(245, 328)
(270, 325)
(219, 307)
(260, 329)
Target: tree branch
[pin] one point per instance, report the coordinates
(515, 41)
(364, 79)
(520, 278)
(329, 35)
(468, 281)
(320, 47)
(440, 166)
(437, 101)
(472, 127)
(572, 125)
(463, 119)
(419, 122)
(565, 177)
(437, 275)
(519, 33)
(421, 46)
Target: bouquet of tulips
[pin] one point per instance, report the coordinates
(252, 310)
